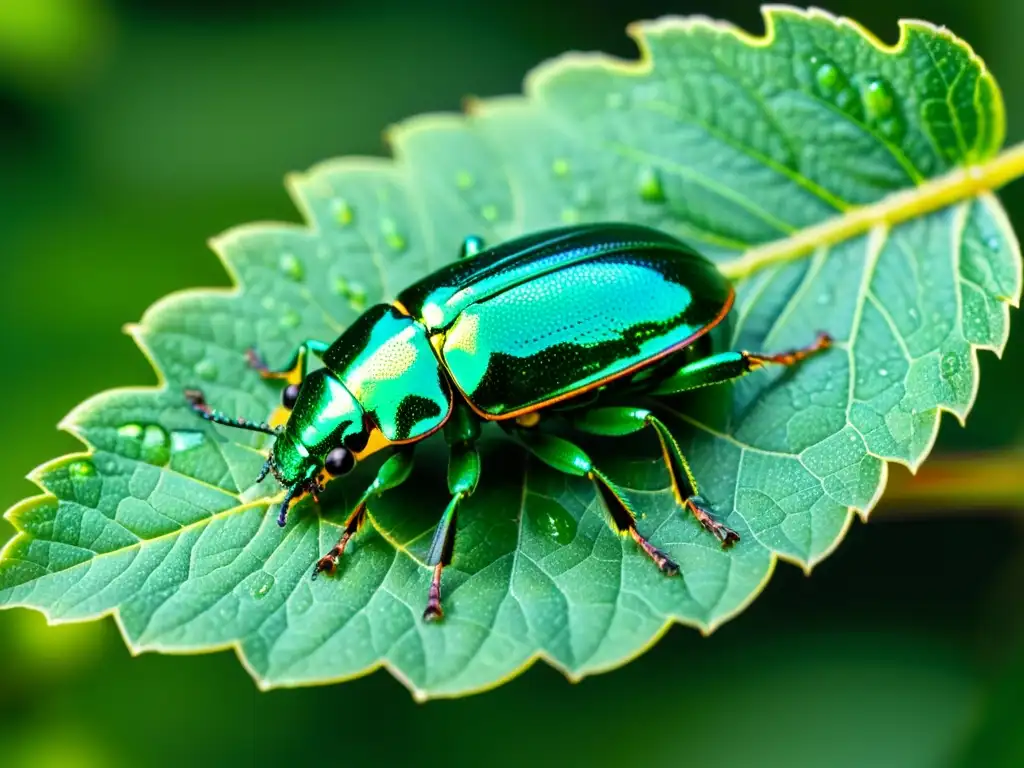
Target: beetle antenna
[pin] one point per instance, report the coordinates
(198, 402)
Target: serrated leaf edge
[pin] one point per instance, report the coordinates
(964, 182)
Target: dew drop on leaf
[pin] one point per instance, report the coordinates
(824, 298)
(291, 267)
(183, 440)
(82, 469)
(343, 212)
(464, 180)
(878, 98)
(650, 186)
(261, 585)
(206, 369)
(551, 519)
(826, 74)
(883, 372)
(357, 296)
(993, 243)
(156, 448)
(130, 431)
(394, 238)
(354, 291)
(489, 212)
(560, 167)
(290, 319)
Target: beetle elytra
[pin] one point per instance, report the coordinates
(589, 323)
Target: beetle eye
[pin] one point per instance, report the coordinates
(290, 396)
(339, 462)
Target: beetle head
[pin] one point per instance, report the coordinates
(323, 434)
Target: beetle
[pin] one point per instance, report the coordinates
(571, 323)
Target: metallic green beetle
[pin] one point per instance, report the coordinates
(561, 323)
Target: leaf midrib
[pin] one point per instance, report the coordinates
(957, 185)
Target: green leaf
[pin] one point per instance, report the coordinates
(841, 183)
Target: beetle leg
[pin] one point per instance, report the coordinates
(392, 473)
(619, 421)
(329, 562)
(569, 458)
(463, 476)
(731, 365)
(295, 371)
(442, 547)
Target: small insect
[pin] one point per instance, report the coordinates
(588, 324)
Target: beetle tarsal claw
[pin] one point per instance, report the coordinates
(433, 611)
(726, 535)
(665, 564)
(329, 562)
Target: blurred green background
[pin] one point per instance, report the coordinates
(130, 132)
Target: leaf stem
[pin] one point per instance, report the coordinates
(956, 484)
(937, 193)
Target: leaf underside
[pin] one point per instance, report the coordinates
(727, 141)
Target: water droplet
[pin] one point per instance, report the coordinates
(357, 296)
(354, 291)
(261, 585)
(650, 186)
(993, 243)
(81, 469)
(950, 365)
(155, 445)
(206, 369)
(883, 372)
(560, 167)
(912, 313)
(552, 520)
(343, 212)
(394, 238)
(824, 298)
(570, 216)
(186, 440)
(130, 431)
(489, 212)
(290, 265)
(464, 180)
(826, 74)
(290, 319)
(878, 98)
